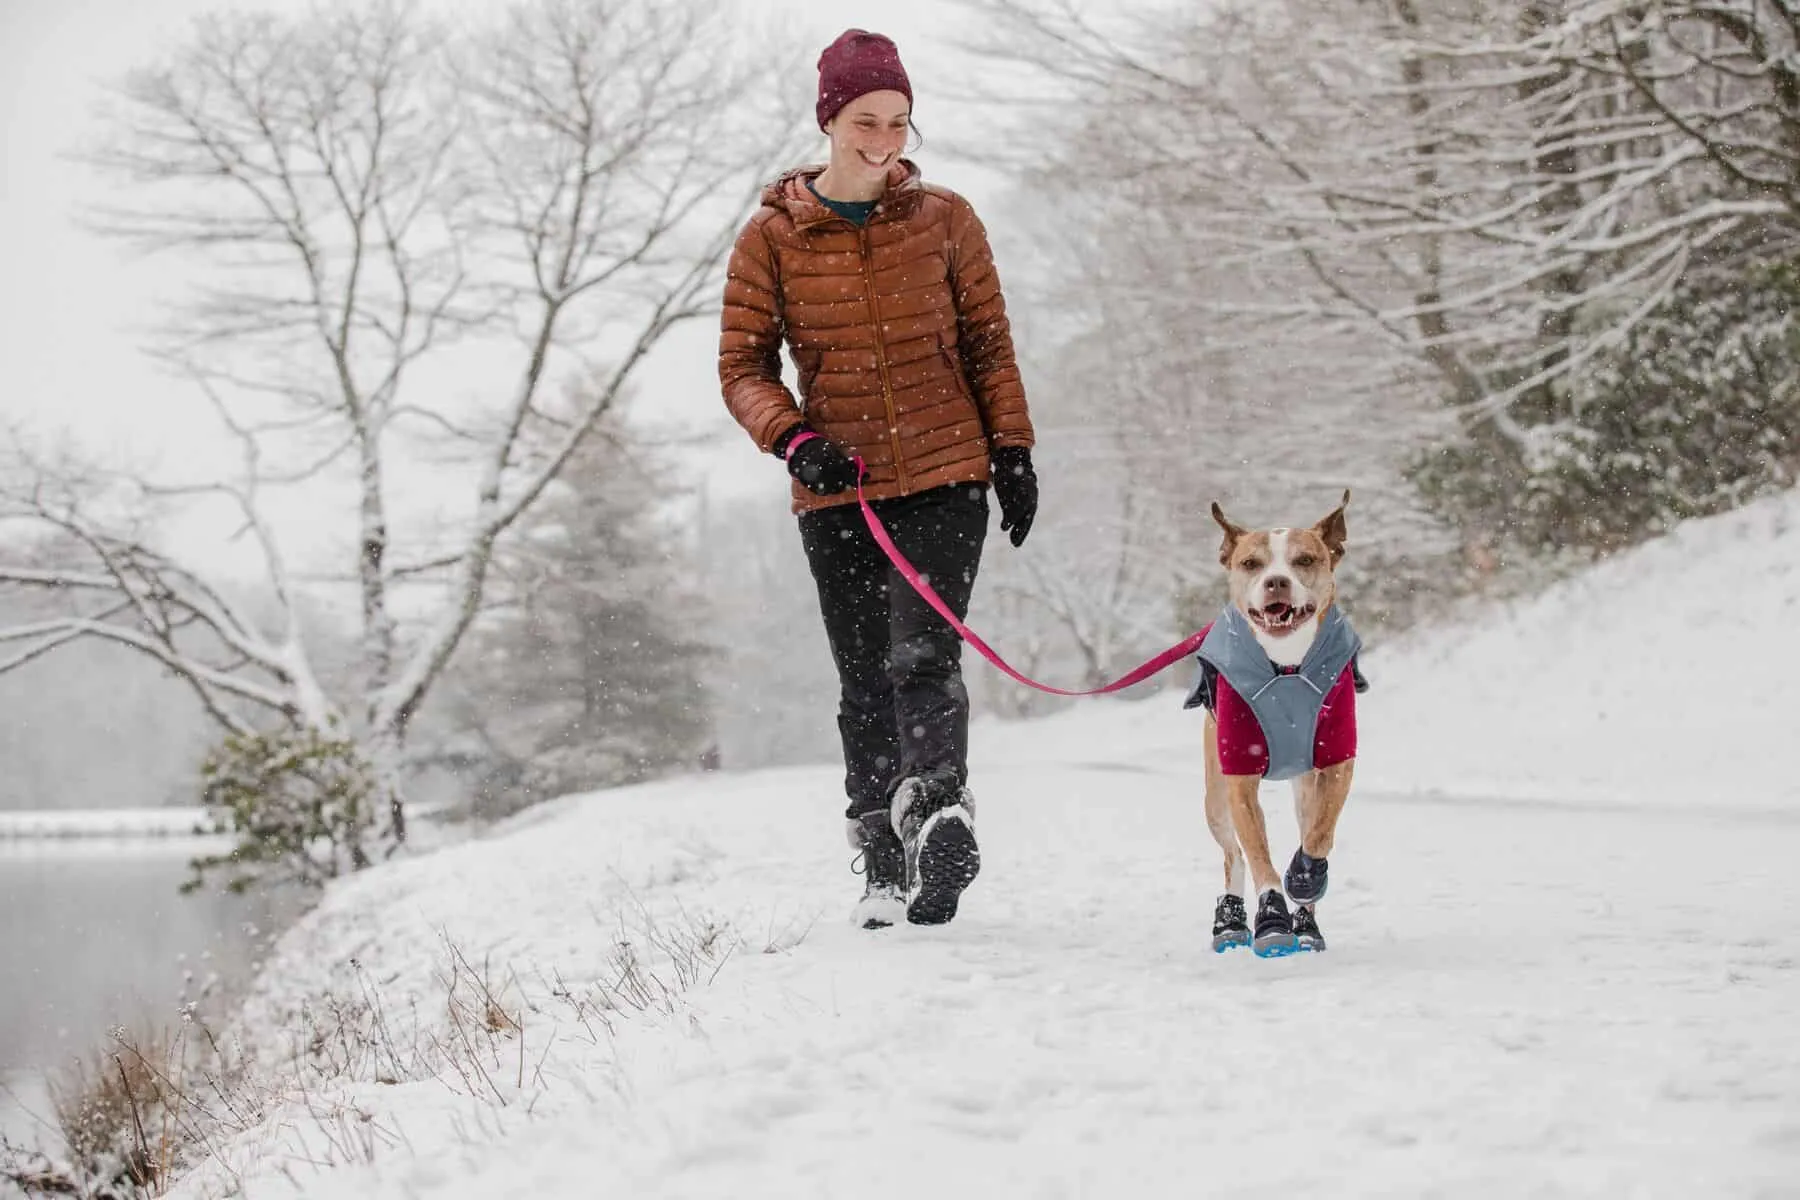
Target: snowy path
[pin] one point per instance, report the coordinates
(1519, 1000)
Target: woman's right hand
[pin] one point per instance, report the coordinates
(820, 466)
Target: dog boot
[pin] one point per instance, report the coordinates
(1274, 927)
(935, 820)
(882, 862)
(1230, 926)
(1306, 929)
(1305, 879)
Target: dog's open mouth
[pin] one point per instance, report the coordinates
(1281, 619)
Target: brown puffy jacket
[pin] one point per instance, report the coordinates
(898, 330)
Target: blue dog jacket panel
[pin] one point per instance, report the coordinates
(1286, 704)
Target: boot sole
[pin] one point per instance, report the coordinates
(1231, 939)
(1275, 945)
(948, 863)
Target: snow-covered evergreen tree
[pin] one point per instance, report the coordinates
(587, 672)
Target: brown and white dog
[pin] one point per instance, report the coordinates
(1282, 583)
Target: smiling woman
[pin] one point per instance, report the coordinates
(884, 291)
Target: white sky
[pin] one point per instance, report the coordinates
(73, 305)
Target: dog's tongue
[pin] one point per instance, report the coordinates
(1277, 611)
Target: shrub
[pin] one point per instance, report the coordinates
(1697, 413)
(301, 806)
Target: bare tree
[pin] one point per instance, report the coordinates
(1161, 358)
(1495, 191)
(408, 235)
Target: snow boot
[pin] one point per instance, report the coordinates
(935, 820)
(1274, 927)
(1230, 926)
(883, 868)
(1305, 879)
(1306, 929)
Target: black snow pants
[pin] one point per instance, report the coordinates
(903, 709)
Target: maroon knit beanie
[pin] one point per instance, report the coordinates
(857, 63)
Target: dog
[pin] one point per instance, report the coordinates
(1279, 679)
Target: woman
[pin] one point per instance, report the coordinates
(883, 289)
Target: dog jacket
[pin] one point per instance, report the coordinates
(1279, 722)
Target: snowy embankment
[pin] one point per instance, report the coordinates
(1670, 675)
(1562, 961)
(1667, 676)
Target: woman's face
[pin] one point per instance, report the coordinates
(868, 134)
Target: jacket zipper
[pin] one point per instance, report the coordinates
(887, 391)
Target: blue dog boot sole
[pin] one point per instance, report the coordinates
(1275, 945)
(1231, 939)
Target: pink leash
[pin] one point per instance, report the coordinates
(1136, 675)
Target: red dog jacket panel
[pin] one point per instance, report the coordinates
(1242, 750)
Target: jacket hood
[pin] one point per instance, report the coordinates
(789, 193)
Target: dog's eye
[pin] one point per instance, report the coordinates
(1251, 564)
(1304, 561)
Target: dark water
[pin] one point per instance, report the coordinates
(94, 934)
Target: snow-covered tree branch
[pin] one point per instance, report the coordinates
(1460, 181)
(1478, 206)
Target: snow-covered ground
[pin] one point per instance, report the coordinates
(1564, 955)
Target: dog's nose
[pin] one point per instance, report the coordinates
(1277, 587)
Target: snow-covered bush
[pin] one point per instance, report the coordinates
(300, 804)
(1695, 413)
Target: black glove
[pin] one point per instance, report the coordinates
(820, 466)
(1015, 486)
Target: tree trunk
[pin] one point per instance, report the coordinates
(385, 748)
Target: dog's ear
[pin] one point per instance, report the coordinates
(1333, 532)
(1232, 533)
